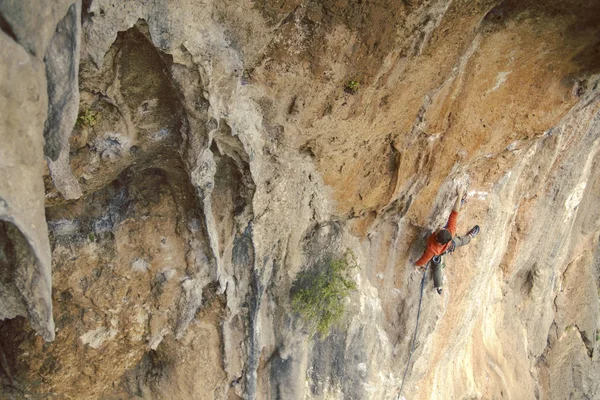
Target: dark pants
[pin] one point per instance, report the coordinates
(438, 263)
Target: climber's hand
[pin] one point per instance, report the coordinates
(419, 270)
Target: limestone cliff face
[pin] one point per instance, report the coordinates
(201, 154)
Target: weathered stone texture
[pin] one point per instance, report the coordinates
(62, 73)
(23, 101)
(229, 145)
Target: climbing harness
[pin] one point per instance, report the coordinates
(414, 340)
(439, 260)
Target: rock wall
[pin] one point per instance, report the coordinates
(202, 154)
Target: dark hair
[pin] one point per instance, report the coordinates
(443, 236)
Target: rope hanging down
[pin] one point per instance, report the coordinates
(414, 340)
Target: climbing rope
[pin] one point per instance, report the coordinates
(414, 340)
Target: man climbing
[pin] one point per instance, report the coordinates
(441, 242)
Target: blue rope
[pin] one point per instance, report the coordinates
(412, 347)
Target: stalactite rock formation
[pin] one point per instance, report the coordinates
(172, 169)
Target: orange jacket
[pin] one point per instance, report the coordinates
(433, 247)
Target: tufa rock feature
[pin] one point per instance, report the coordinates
(219, 157)
(20, 294)
(26, 257)
(32, 22)
(62, 72)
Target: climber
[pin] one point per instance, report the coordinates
(441, 242)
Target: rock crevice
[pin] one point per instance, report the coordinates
(200, 155)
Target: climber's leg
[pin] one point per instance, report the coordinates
(461, 240)
(438, 277)
(465, 240)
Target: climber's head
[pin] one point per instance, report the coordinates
(443, 236)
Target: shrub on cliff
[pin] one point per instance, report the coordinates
(88, 118)
(318, 295)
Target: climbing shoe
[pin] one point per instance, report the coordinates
(474, 231)
(439, 290)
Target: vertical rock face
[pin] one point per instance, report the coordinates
(202, 154)
(26, 272)
(62, 72)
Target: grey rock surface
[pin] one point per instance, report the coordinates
(26, 261)
(27, 29)
(228, 154)
(32, 22)
(62, 73)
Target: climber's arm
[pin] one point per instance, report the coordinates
(427, 255)
(451, 225)
(461, 193)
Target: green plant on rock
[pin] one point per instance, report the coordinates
(318, 295)
(88, 118)
(352, 87)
